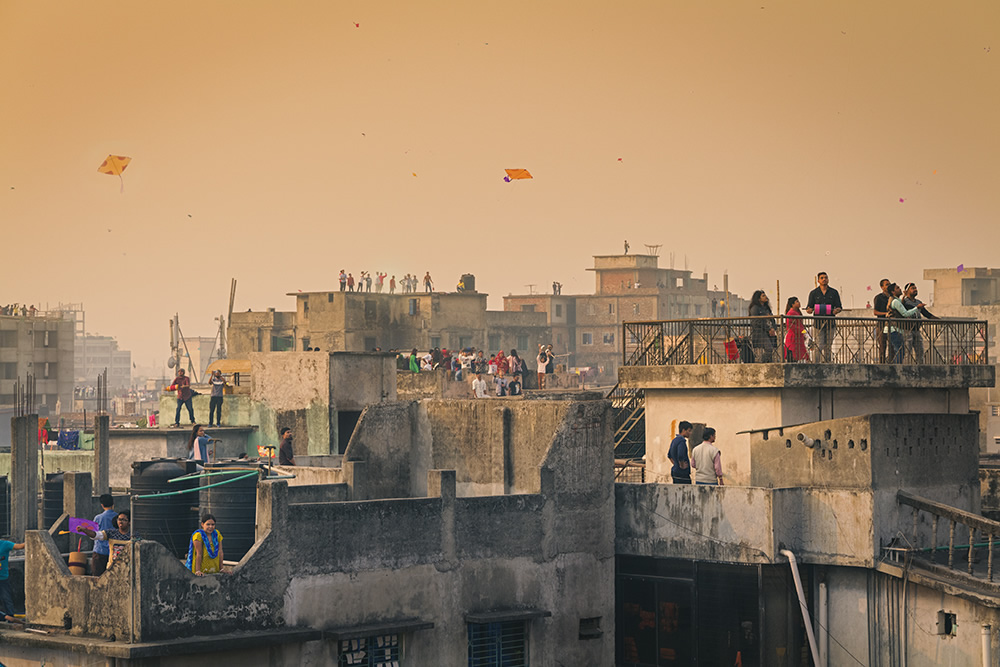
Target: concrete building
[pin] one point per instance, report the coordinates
(974, 293)
(41, 346)
(455, 533)
(95, 354)
(587, 327)
(362, 321)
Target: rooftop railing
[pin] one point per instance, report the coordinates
(807, 339)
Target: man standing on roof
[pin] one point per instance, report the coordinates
(286, 455)
(824, 301)
(215, 402)
(182, 384)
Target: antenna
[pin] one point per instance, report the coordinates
(531, 288)
(653, 250)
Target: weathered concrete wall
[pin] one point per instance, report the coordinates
(98, 606)
(383, 439)
(361, 379)
(431, 384)
(293, 389)
(236, 408)
(744, 524)
(728, 523)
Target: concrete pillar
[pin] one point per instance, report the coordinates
(23, 475)
(78, 494)
(102, 438)
(356, 476)
(441, 484)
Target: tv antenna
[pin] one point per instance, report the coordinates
(653, 250)
(531, 288)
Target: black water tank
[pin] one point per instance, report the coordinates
(52, 499)
(469, 282)
(234, 505)
(4, 507)
(169, 520)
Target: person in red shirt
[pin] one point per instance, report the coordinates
(182, 384)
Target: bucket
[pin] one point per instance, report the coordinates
(77, 563)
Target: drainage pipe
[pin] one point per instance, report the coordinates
(987, 645)
(802, 605)
(824, 624)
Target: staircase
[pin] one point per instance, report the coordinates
(629, 408)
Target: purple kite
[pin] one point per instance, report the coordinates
(74, 525)
(961, 267)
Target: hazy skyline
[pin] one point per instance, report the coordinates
(276, 143)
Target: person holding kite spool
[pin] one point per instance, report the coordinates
(205, 549)
(123, 533)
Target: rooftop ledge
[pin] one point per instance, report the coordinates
(737, 376)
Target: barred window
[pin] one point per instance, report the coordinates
(503, 644)
(377, 651)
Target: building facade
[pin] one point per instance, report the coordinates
(586, 328)
(43, 348)
(363, 321)
(95, 354)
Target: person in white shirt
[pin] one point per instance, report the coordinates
(479, 386)
(706, 459)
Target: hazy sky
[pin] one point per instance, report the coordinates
(276, 142)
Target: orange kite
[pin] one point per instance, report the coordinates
(516, 174)
(114, 165)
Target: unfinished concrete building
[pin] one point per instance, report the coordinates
(40, 346)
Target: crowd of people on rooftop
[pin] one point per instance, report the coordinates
(507, 371)
(19, 310)
(364, 282)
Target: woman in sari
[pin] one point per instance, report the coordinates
(795, 338)
(205, 549)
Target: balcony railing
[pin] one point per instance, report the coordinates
(808, 339)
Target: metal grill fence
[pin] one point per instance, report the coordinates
(500, 644)
(807, 339)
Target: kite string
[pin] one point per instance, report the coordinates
(122, 180)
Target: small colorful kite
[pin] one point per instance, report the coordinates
(901, 200)
(265, 451)
(114, 165)
(74, 525)
(961, 267)
(516, 174)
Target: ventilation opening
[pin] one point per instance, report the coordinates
(590, 628)
(346, 421)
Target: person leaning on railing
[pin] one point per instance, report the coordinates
(880, 306)
(895, 328)
(824, 302)
(910, 300)
(762, 331)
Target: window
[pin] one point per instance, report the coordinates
(378, 651)
(678, 283)
(558, 310)
(588, 339)
(371, 312)
(463, 342)
(435, 341)
(635, 309)
(8, 339)
(414, 306)
(528, 309)
(503, 644)
(329, 297)
(522, 342)
(493, 342)
(609, 339)
(611, 308)
(995, 410)
(305, 306)
(282, 343)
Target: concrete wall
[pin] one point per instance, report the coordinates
(360, 379)
(744, 524)
(738, 398)
(293, 389)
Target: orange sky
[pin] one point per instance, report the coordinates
(771, 139)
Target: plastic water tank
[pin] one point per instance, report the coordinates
(169, 520)
(234, 505)
(469, 281)
(52, 499)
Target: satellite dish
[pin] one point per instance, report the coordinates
(171, 362)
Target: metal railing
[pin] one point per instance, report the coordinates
(784, 339)
(962, 527)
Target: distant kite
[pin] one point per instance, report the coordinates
(114, 165)
(516, 174)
